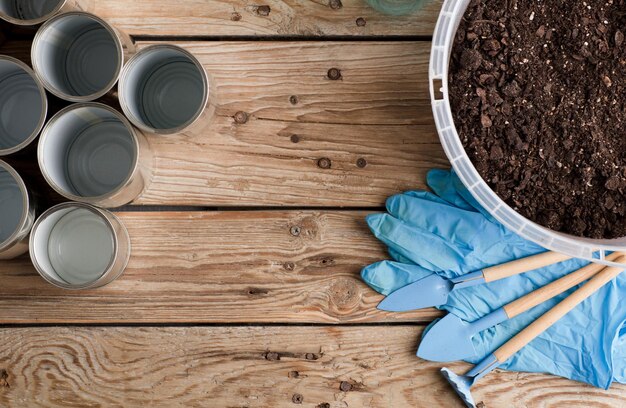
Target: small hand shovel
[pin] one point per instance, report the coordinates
(433, 290)
(450, 339)
(463, 383)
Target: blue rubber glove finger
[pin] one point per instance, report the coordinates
(619, 357)
(426, 195)
(386, 276)
(442, 183)
(439, 217)
(398, 257)
(421, 247)
(469, 198)
(468, 231)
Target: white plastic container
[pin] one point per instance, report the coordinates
(449, 19)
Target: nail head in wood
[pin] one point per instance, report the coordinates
(324, 163)
(290, 266)
(293, 99)
(334, 74)
(361, 163)
(235, 16)
(297, 398)
(241, 117)
(263, 10)
(335, 4)
(361, 22)
(295, 138)
(345, 386)
(272, 356)
(295, 231)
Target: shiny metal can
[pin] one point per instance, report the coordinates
(34, 12)
(23, 106)
(17, 213)
(165, 90)
(79, 246)
(89, 152)
(79, 57)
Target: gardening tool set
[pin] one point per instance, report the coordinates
(96, 155)
(450, 338)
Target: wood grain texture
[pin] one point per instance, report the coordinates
(220, 267)
(252, 367)
(307, 18)
(378, 112)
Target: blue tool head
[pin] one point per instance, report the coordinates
(430, 291)
(461, 384)
(450, 339)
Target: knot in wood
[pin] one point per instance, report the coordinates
(335, 4)
(241, 117)
(344, 293)
(324, 163)
(323, 405)
(235, 16)
(334, 74)
(4, 378)
(295, 138)
(297, 398)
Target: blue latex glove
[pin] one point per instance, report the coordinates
(450, 234)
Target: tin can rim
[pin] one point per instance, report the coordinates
(74, 197)
(73, 98)
(33, 21)
(44, 105)
(16, 235)
(104, 215)
(133, 61)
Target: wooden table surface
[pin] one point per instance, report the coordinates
(243, 287)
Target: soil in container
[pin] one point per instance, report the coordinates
(538, 93)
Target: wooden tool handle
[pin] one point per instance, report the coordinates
(553, 315)
(522, 265)
(558, 286)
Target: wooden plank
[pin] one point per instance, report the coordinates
(307, 18)
(379, 111)
(315, 367)
(220, 267)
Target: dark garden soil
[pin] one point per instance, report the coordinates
(538, 93)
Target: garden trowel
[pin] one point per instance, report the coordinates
(433, 290)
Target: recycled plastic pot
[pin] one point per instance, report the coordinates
(450, 17)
